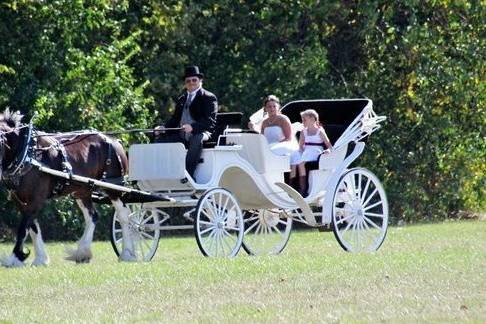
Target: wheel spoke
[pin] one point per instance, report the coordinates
(140, 244)
(374, 205)
(363, 193)
(357, 230)
(206, 230)
(372, 223)
(352, 234)
(218, 242)
(212, 207)
(374, 215)
(370, 196)
(368, 231)
(228, 212)
(344, 219)
(258, 229)
(147, 236)
(252, 226)
(147, 219)
(250, 219)
(147, 245)
(206, 223)
(347, 226)
(228, 234)
(276, 229)
(359, 185)
(211, 240)
(205, 213)
(223, 208)
(230, 248)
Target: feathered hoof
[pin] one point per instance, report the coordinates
(127, 256)
(11, 261)
(78, 256)
(40, 262)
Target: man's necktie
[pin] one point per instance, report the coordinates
(188, 101)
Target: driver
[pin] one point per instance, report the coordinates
(195, 114)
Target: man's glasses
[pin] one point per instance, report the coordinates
(193, 80)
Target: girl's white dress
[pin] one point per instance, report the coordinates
(313, 147)
(274, 136)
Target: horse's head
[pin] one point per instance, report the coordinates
(10, 124)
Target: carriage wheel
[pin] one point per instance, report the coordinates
(144, 228)
(267, 231)
(219, 224)
(360, 211)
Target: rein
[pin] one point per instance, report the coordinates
(125, 131)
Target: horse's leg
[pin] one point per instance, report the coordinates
(83, 253)
(41, 258)
(18, 256)
(128, 252)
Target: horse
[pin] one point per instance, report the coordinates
(89, 154)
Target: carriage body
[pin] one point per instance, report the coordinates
(250, 179)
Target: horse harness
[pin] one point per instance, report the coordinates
(31, 152)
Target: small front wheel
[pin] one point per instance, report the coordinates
(360, 211)
(144, 230)
(218, 224)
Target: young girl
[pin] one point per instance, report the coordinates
(311, 144)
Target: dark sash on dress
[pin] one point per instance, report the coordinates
(314, 144)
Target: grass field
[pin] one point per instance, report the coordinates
(422, 273)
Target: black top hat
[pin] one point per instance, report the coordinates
(192, 71)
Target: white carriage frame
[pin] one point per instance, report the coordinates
(249, 170)
(243, 172)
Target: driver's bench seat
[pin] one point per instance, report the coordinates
(223, 121)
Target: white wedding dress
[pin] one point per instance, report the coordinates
(274, 136)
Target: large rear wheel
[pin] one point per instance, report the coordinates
(360, 211)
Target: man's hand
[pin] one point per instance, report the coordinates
(157, 130)
(187, 128)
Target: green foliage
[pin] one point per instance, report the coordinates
(117, 64)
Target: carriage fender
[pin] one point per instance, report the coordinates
(339, 171)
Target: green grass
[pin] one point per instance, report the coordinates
(421, 273)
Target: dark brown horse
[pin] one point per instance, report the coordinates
(92, 155)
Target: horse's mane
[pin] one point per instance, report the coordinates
(11, 118)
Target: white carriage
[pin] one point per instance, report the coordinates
(239, 196)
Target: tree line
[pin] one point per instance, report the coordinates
(115, 64)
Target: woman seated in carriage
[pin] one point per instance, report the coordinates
(276, 128)
(311, 144)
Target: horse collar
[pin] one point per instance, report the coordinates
(20, 165)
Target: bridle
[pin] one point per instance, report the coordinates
(15, 167)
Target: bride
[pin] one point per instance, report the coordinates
(276, 128)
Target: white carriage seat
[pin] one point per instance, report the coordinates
(157, 161)
(256, 151)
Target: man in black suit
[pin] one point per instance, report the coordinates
(195, 113)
